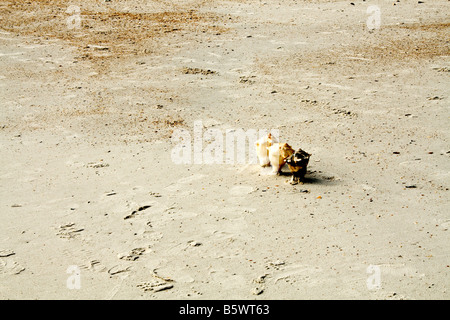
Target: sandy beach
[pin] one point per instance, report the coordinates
(100, 200)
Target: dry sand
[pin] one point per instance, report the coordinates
(94, 207)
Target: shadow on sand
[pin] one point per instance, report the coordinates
(314, 177)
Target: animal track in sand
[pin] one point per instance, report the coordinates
(132, 255)
(8, 266)
(94, 265)
(118, 269)
(155, 286)
(68, 231)
(260, 284)
(158, 283)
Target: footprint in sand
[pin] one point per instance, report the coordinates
(68, 231)
(94, 265)
(10, 267)
(158, 283)
(132, 255)
(259, 284)
(155, 286)
(118, 269)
